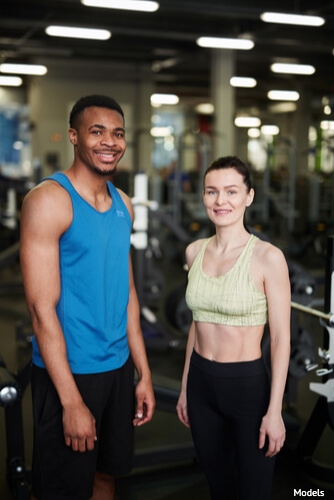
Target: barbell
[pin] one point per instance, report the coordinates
(314, 312)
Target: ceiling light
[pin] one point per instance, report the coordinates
(247, 121)
(282, 107)
(269, 130)
(293, 69)
(241, 81)
(158, 99)
(161, 131)
(23, 69)
(327, 125)
(11, 81)
(72, 32)
(205, 108)
(137, 5)
(283, 95)
(297, 19)
(225, 43)
(327, 110)
(253, 133)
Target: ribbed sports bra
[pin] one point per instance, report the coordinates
(230, 299)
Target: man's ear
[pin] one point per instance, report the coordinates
(72, 134)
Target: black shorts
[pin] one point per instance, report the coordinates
(57, 471)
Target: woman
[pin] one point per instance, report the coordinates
(235, 283)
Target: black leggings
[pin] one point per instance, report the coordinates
(226, 403)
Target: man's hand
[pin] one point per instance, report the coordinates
(79, 428)
(145, 403)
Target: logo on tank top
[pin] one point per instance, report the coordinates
(120, 213)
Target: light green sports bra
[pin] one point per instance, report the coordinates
(230, 299)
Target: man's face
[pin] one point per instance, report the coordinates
(99, 139)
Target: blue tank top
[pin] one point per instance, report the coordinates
(94, 277)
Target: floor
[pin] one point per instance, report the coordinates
(171, 471)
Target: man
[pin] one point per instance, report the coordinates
(78, 280)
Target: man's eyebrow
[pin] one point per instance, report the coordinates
(102, 127)
(96, 125)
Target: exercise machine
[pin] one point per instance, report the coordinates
(12, 388)
(323, 412)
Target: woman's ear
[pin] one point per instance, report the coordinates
(250, 197)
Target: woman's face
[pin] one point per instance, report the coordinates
(225, 196)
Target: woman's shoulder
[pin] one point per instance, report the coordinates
(268, 254)
(193, 250)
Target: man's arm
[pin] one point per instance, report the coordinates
(46, 214)
(144, 390)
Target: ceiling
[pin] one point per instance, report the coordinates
(164, 43)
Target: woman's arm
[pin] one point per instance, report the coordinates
(278, 291)
(182, 407)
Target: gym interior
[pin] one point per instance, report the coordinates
(185, 104)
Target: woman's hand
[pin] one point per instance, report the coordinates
(273, 427)
(182, 409)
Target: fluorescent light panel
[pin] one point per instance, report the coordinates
(327, 125)
(269, 130)
(205, 108)
(247, 121)
(283, 95)
(254, 133)
(158, 99)
(137, 5)
(282, 107)
(225, 43)
(73, 32)
(23, 69)
(296, 19)
(161, 131)
(10, 81)
(242, 81)
(293, 69)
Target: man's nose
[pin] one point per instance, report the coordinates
(109, 139)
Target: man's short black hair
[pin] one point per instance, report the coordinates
(100, 101)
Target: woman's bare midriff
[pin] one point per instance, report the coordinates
(227, 344)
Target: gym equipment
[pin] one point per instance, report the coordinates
(155, 334)
(323, 412)
(166, 400)
(302, 357)
(177, 310)
(328, 316)
(11, 391)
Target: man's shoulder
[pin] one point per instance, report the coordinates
(48, 201)
(48, 190)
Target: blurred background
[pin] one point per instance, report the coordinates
(197, 80)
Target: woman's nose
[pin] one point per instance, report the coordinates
(221, 197)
